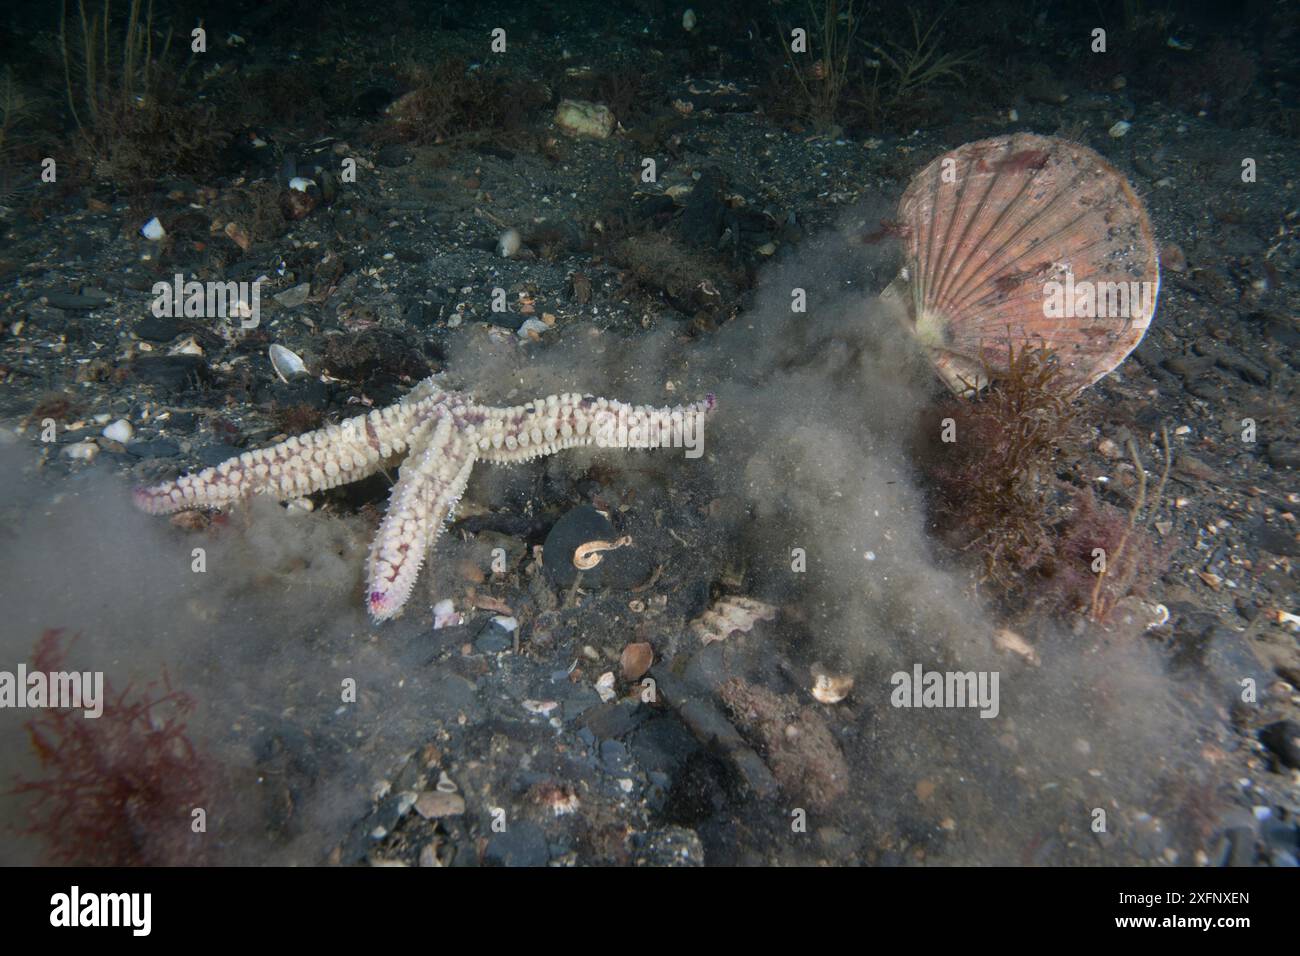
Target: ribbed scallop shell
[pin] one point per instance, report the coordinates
(1004, 239)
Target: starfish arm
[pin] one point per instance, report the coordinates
(429, 484)
(303, 464)
(548, 425)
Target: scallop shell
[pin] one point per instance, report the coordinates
(1025, 241)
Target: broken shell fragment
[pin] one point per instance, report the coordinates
(153, 230)
(509, 243)
(830, 688)
(1005, 639)
(1024, 241)
(287, 363)
(605, 687)
(728, 615)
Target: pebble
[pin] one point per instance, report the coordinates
(155, 329)
(157, 448)
(635, 660)
(296, 296)
(434, 804)
(73, 303)
(120, 431)
(493, 639)
(523, 844)
(623, 567)
(82, 451)
(532, 328)
(1283, 741)
(1120, 129)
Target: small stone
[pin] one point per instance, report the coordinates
(1172, 257)
(1120, 129)
(434, 804)
(296, 296)
(636, 660)
(532, 329)
(82, 451)
(1283, 740)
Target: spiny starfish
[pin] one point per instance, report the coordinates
(440, 434)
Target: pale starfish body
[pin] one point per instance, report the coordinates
(440, 434)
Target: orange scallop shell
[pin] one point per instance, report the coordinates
(1025, 241)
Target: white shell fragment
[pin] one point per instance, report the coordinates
(287, 363)
(728, 615)
(1005, 639)
(120, 431)
(153, 230)
(581, 118)
(509, 243)
(605, 686)
(830, 688)
(82, 451)
(301, 184)
(1120, 128)
(532, 327)
(444, 615)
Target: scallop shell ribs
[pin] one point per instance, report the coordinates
(1025, 241)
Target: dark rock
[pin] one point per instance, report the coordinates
(714, 730)
(211, 455)
(71, 302)
(176, 373)
(393, 155)
(1187, 367)
(613, 719)
(662, 744)
(152, 328)
(1284, 454)
(311, 392)
(700, 224)
(522, 844)
(371, 101)
(1246, 369)
(493, 639)
(623, 567)
(613, 754)
(1241, 847)
(1283, 740)
(669, 846)
(1276, 540)
(157, 448)
(1222, 656)
(1282, 329)
(656, 207)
